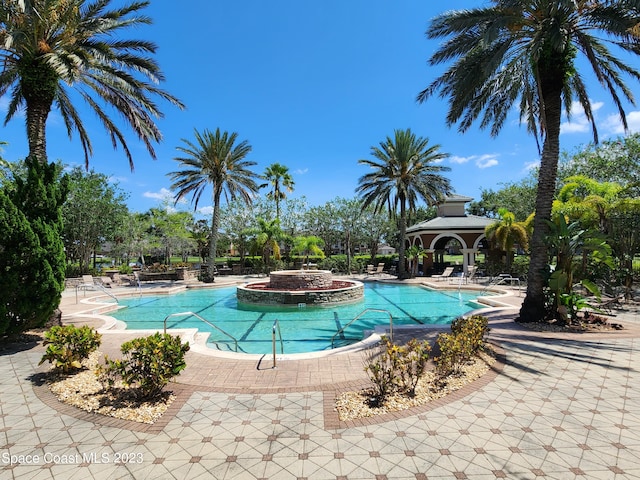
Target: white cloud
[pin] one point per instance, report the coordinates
(486, 161)
(579, 122)
(459, 160)
(208, 211)
(301, 171)
(614, 126)
(633, 119)
(163, 195)
(579, 126)
(528, 166)
(481, 161)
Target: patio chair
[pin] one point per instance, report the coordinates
(472, 270)
(379, 269)
(370, 269)
(87, 283)
(444, 275)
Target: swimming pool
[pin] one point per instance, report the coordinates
(308, 329)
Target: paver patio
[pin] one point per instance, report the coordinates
(561, 407)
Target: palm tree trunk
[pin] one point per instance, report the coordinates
(533, 307)
(215, 224)
(403, 233)
(37, 113)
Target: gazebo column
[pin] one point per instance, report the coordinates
(468, 259)
(427, 261)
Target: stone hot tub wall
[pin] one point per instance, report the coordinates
(300, 279)
(293, 297)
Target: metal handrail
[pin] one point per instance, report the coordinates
(184, 314)
(276, 325)
(499, 280)
(360, 315)
(95, 285)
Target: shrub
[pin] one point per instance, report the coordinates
(472, 330)
(148, 364)
(125, 269)
(452, 355)
(412, 365)
(206, 276)
(67, 346)
(393, 368)
(381, 368)
(461, 345)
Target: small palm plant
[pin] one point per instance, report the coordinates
(414, 252)
(310, 245)
(505, 233)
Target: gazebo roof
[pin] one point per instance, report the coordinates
(468, 222)
(451, 216)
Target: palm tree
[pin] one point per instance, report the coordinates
(524, 54)
(414, 252)
(279, 178)
(406, 171)
(47, 46)
(268, 236)
(214, 159)
(505, 233)
(309, 245)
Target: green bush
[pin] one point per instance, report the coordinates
(472, 329)
(125, 269)
(149, 363)
(394, 368)
(461, 345)
(381, 367)
(520, 266)
(452, 355)
(67, 346)
(413, 363)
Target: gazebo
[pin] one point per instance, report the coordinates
(451, 223)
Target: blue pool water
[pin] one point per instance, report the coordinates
(307, 329)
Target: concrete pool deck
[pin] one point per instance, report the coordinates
(561, 406)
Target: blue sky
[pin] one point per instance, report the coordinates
(311, 85)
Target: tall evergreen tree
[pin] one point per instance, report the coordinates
(32, 260)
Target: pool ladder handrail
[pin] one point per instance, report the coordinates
(99, 287)
(276, 326)
(499, 280)
(184, 314)
(360, 315)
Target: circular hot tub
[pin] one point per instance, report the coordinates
(295, 287)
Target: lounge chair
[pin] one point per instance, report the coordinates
(379, 269)
(370, 269)
(87, 283)
(444, 275)
(471, 273)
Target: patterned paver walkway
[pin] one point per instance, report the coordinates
(562, 407)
